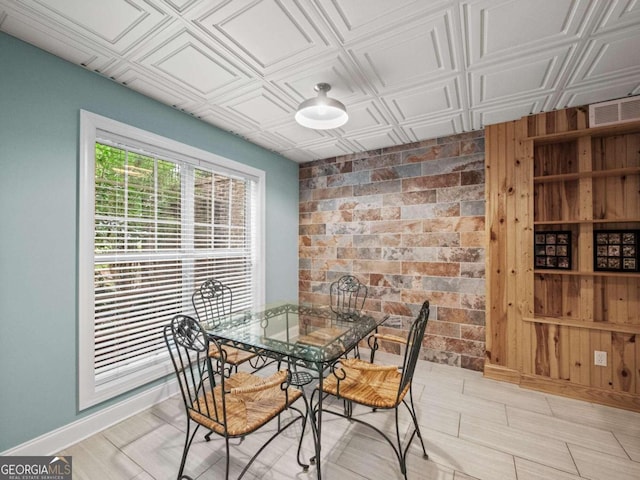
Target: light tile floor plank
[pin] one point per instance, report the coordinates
(474, 429)
(600, 466)
(538, 448)
(570, 432)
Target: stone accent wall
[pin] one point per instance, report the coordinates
(409, 222)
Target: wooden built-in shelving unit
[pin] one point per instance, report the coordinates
(546, 173)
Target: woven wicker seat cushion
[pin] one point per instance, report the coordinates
(246, 412)
(235, 356)
(366, 384)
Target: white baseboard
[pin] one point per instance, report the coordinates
(57, 440)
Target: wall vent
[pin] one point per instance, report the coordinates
(616, 111)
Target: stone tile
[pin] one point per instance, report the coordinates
(430, 210)
(389, 186)
(461, 254)
(463, 193)
(472, 270)
(410, 198)
(469, 362)
(461, 315)
(435, 327)
(450, 165)
(372, 162)
(354, 178)
(476, 333)
(472, 177)
(396, 171)
(439, 357)
(472, 208)
(472, 302)
(445, 180)
(444, 150)
(430, 239)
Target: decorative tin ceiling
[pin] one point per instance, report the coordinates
(407, 70)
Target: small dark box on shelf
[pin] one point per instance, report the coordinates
(616, 250)
(552, 249)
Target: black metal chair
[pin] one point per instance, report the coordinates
(347, 296)
(233, 406)
(380, 387)
(212, 301)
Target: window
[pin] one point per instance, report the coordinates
(156, 219)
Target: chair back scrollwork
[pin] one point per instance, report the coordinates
(347, 296)
(212, 301)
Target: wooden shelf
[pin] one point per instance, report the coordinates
(587, 222)
(614, 172)
(576, 273)
(630, 127)
(577, 323)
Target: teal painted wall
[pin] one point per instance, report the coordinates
(40, 99)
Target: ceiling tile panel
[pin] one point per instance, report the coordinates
(423, 52)
(524, 76)
(364, 116)
(292, 133)
(407, 70)
(429, 129)
(181, 5)
(269, 34)
(497, 29)
(424, 101)
(261, 107)
(197, 66)
(117, 24)
(329, 149)
(619, 13)
(609, 56)
(299, 155)
(225, 119)
(268, 141)
(588, 94)
(43, 36)
(350, 21)
(505, 112)
(143, 81)
(386, 137)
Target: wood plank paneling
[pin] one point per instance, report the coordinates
(583, 182)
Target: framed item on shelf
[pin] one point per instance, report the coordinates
(552, 249)
(616, 250)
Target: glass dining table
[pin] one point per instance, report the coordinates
(308, 339)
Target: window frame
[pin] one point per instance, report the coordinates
(92, 128)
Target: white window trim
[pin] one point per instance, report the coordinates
(90, 125)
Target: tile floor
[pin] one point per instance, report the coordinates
(474, 428)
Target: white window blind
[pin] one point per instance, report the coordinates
(162, 224)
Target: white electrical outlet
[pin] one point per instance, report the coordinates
(600, 358)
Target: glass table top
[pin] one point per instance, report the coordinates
(311, 334)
